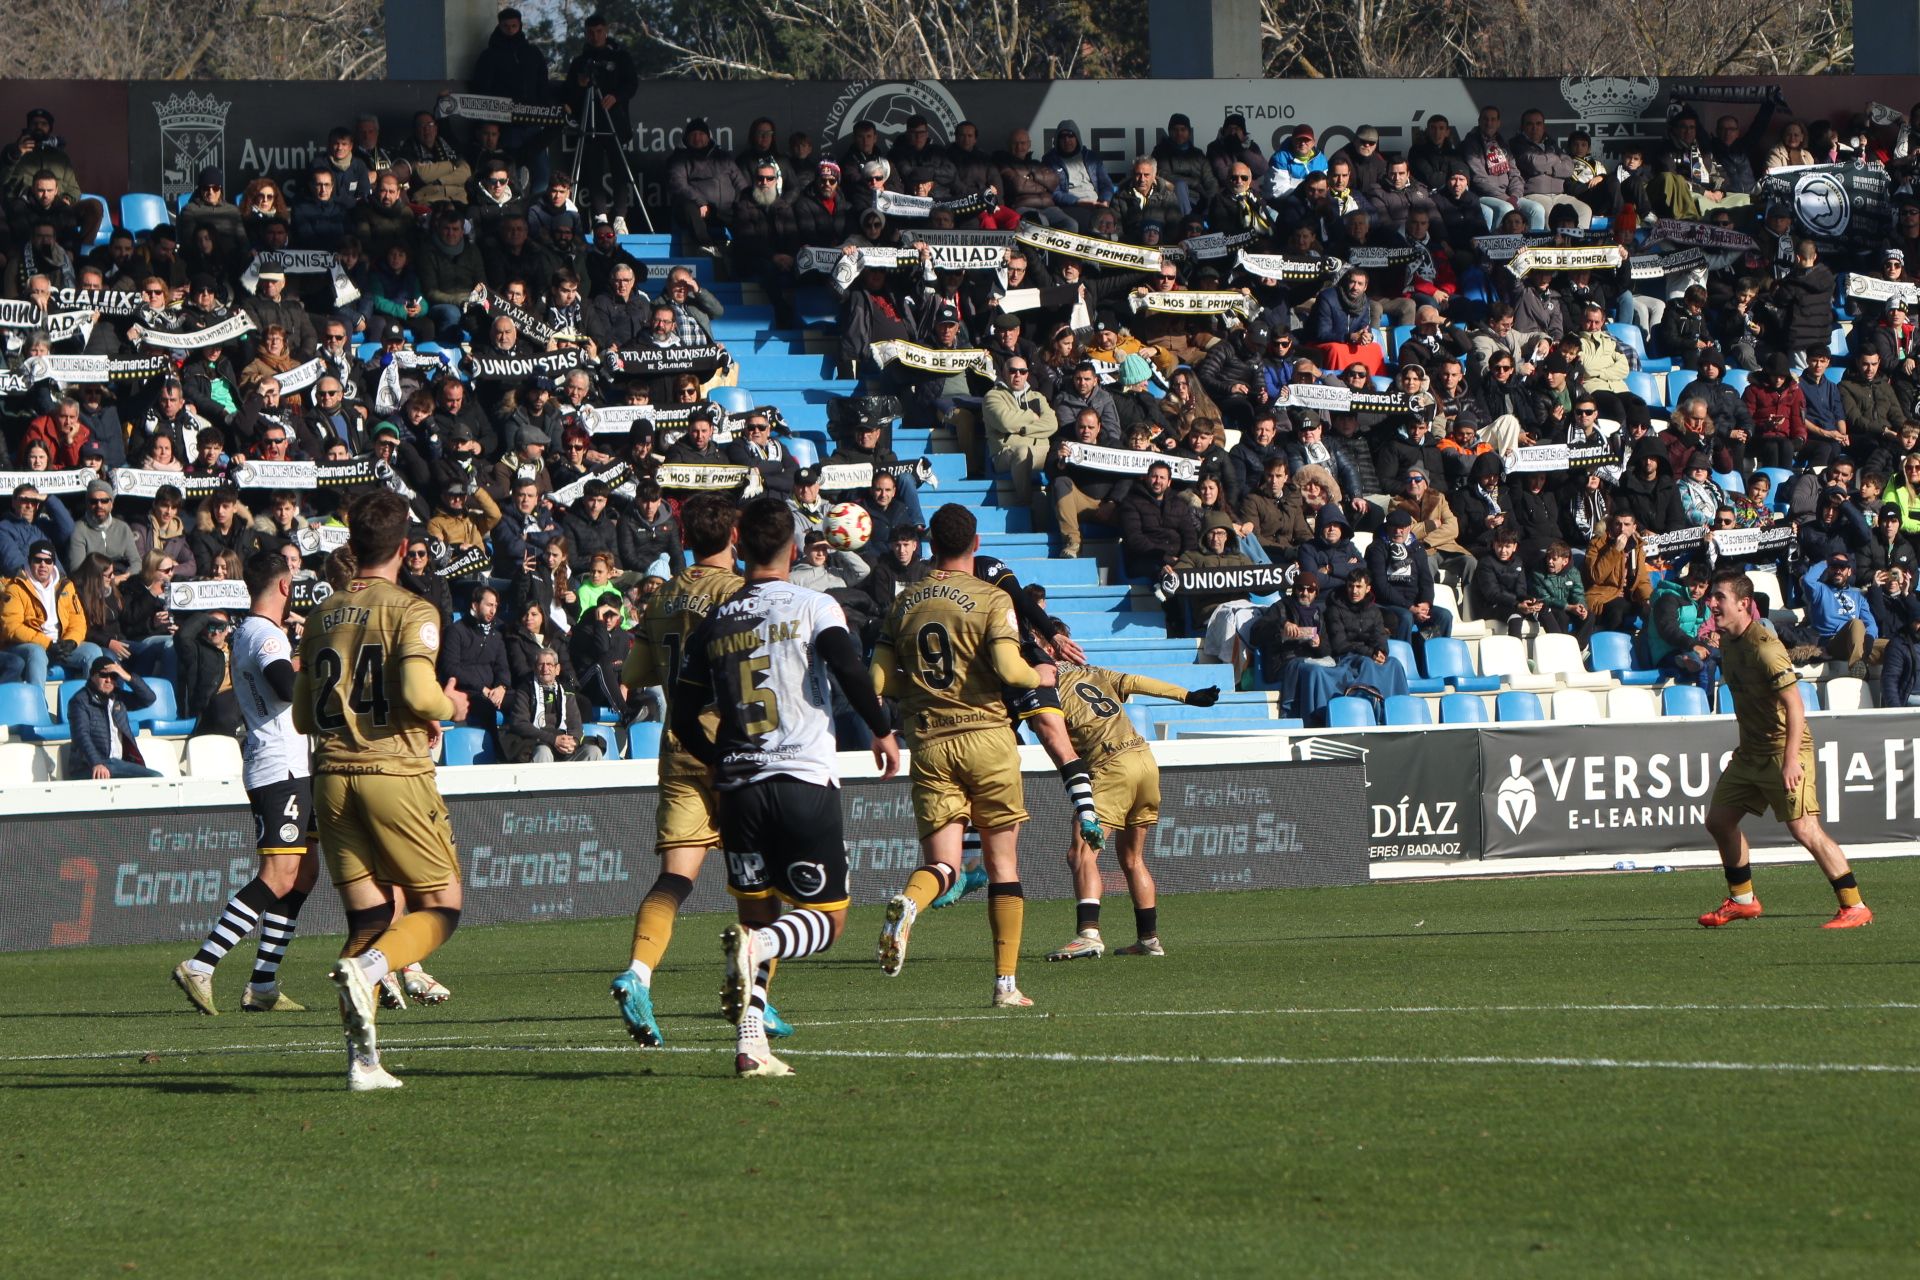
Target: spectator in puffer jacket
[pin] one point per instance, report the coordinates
(703, 182)
(1185, 165)
(103, 744)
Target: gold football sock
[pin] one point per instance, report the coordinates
(1007, 913)
(928, 883)
(417, 937)
(1847, 889)
(653, 922)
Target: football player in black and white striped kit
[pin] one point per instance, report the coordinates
(279, 786)
(761, 660)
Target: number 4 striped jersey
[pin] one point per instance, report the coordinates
(351, 662)
(949, 650)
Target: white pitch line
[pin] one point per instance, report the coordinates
(457, 1042)
(1186, 1060)
(1288, 1012)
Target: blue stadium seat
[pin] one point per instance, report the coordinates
(464, 744)
(61, 700)
(23, 705)
(105, 233)
(643, 740)
(1613, 651)
(1402, 652)
(1837, 348)
(1737, 379)
(805, 452)
(1777, 477)
(1350, 713)
(163, 716)
(608, 743)
(141, 212)
(1809, 696)
(733, 399)
(1517, 704)
(1406, 709)
(1724, 702)
(1463, 708)
(1643, 385)
(1731, 481)
(1401, 332)
(1631, 335)
(1683, 700)
(1449, 660)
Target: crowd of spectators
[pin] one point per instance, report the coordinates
(474, 324)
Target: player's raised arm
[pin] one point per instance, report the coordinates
(1131, 685)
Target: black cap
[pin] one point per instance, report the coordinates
(697, 122)
(39, 113)
(91, 449)
(201, 281)
(1006, 322)
(1555, 364)
(1398, 518)
(460, 432)
(1888, 512)
(208, 177)
(946, 315)
(1234, 117)
(1710, 355)
(1259, 333)
(1178, 117)
(1107, 318)
(806, 475)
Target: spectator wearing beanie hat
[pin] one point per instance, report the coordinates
(1185, 165)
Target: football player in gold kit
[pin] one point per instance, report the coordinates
(949, 651)
(1126, 794)
(1772, 767)
(367, 692)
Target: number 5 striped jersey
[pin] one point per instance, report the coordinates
(351, 663)
(949, 649)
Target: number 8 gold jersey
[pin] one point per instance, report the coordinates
(942, 634)
(351, 662)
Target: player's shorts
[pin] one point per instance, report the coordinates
(392, 829)
(1755, 785)
(784, 838)
(1024, 704)
(973, 776)
(686, 813)
(283, 816)
(1126, 790)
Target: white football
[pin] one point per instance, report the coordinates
(848, 526)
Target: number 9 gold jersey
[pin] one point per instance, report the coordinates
(351, 663)
(941, 635)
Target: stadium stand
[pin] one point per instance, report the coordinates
(479, 346)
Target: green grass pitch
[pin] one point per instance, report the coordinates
(1543, 1077)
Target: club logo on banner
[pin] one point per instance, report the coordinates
(1515, 802)
(1821, 202)
(889, 104)
(193, 136)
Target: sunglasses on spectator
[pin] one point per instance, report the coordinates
(43, 559)
(1585, 410)
(218, 628)
(154, 293)
(1016, 368)
(762, 180)
(1357, 373)
(420, 554)
(101, 500)
(1243, 177)
(169, 568)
